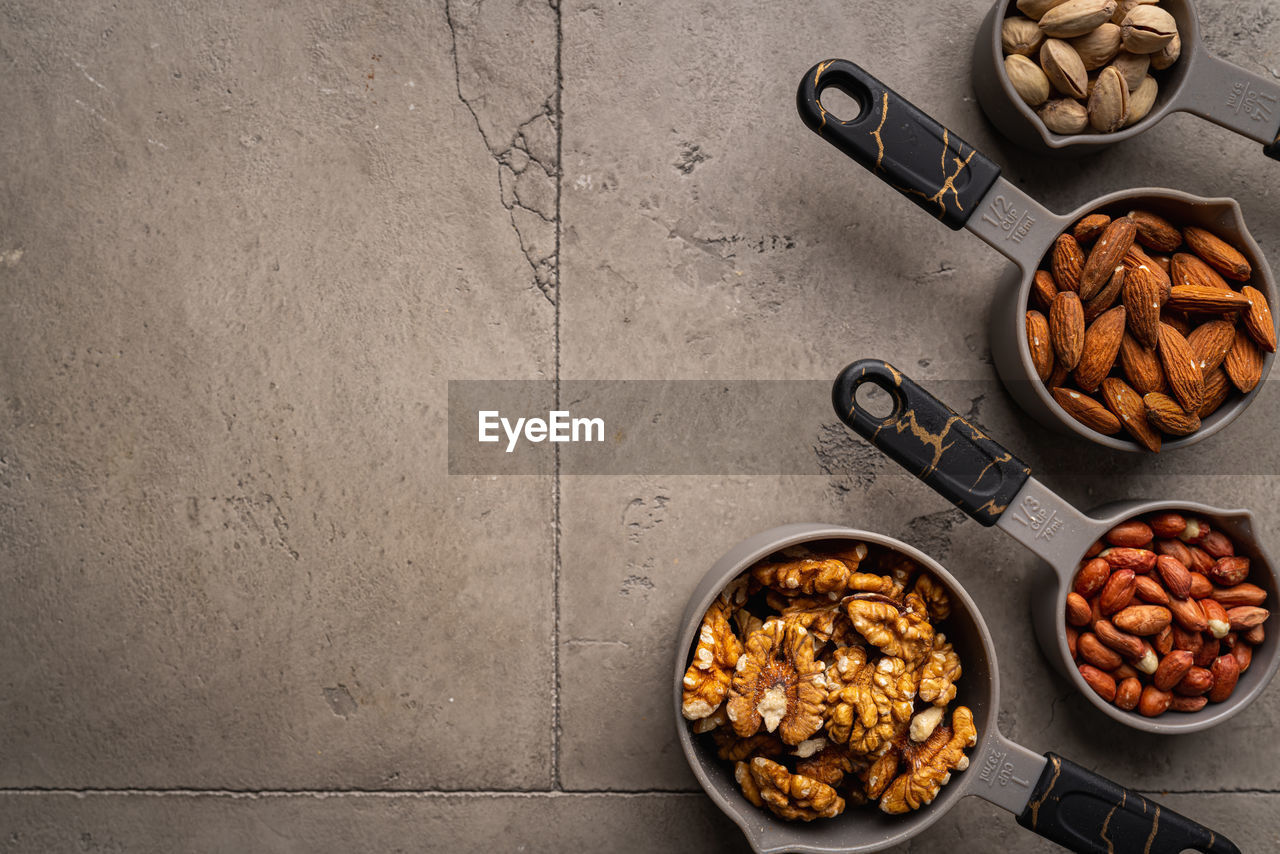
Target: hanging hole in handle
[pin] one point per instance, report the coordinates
(838, 101)
(876, 399)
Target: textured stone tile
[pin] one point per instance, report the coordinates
(280, 824)
(255, 244)
(539, 823)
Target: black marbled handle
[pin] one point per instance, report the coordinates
(1087, 813)
(905, 148)
(924, 436)
(1272, 150)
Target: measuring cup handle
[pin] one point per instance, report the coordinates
(1240, 100)
(1087, 813)
(901, 145)
(928, 439)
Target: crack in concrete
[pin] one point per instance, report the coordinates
(545, 268)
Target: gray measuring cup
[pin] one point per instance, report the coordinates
(1050, 795)
(1198, 83)
(944, 175)
(977, 474)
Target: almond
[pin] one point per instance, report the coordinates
(1175, 575)
(1143, 300)
(1142, 620)
(1257, 319)
(1201, 587)
(1127, 406)
(1216, 388)
(1038, 344)
(1066, 262)
(1141, 365)
(1149, 590)
(1187, 269)
(1066, 328)
(1135, 258)
(1218, 545)
(1101, 344)
(1178, 320)
(1218, 254)
(1162, 642)
(1244, 363)
(1188, 640)
(1181, 369)
(1254, 635)
(1106, 255)
(1243, 654)
(1168, 417)
(1087, 411)
(1106, 297)
(1201, 300)
(1089, 228)
(1212, 649)
(1155, 232)
(1210, 342)
(1043, 289)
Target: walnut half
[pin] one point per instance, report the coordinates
(778, 684)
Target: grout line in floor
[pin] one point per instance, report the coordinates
(556, 782)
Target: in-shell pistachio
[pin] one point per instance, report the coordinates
(1022, 36)
(1132, 66)
(1167, 55)
(1109, 103)
(1030, 82)
(1147, 29)
(1076, 17)
(1064, 116)
(1124, 7)
(1064, 68)
(1141, 100)
(1099, 47)
(1035, 9)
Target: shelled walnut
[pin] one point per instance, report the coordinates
(820, 673)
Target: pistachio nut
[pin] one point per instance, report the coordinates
(1109, 103)
(1035, 9)
(1146, 29)
(1030, 82)
(1020, 35)
(1099, 47)
(1064, 68)
(1064, 116)
(1132, 66)
(1167, 55)
(1124, 7)
(1076, 17)
(1141, 100)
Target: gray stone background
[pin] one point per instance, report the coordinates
(243, 248)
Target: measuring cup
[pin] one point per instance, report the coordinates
(1052, 796)
(1199, 83)
(944, 175)
(968, 468)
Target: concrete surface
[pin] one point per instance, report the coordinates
(244, 247)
